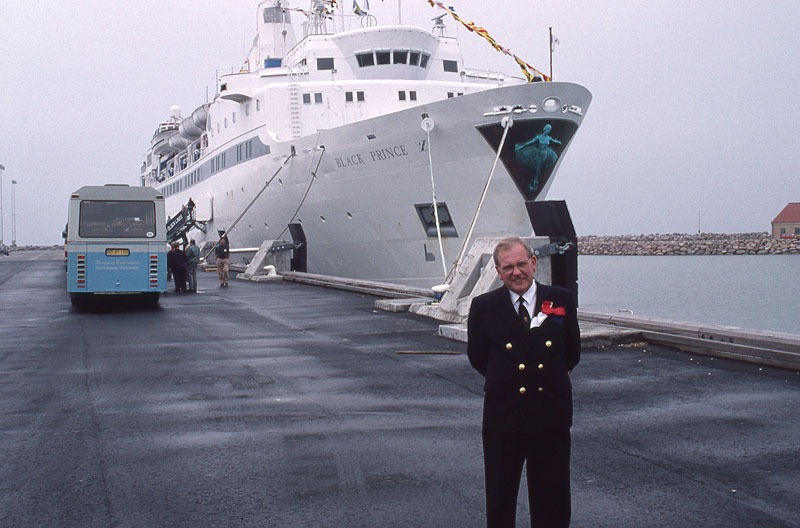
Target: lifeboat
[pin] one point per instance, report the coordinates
(161, 138)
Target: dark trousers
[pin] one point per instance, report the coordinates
(180, 279)
(547, 455)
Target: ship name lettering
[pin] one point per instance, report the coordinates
(388, 153)
(348, 161)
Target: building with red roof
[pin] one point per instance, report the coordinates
(787, 223)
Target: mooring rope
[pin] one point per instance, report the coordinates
(308, 189)
(264, 188)
(428, 125)
(507, 123)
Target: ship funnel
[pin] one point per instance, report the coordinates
(275, 35)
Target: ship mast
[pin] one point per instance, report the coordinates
(317, 24)
(551, 53)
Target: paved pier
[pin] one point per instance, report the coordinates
(278, 404)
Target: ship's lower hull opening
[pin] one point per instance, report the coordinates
(299, 260)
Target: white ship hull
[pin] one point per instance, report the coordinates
(359, 214)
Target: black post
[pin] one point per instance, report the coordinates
(300, 255)
(552, 219)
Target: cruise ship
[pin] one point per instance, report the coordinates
(343, 140)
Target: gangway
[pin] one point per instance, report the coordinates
(183, 222)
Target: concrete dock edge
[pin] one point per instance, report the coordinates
(599, 329)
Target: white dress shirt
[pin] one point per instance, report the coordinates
(529, 296)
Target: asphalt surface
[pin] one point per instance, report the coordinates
(286, 405)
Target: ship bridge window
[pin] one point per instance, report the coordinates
(325, 63)
(450, 66)
(360, 96)
(428, 219)
(401, 95)
(365, 59)
(412, 95)
(413, 58)
(318, 98)
(423, 60)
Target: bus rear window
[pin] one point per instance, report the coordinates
(119, 219)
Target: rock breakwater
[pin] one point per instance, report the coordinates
(686, 244)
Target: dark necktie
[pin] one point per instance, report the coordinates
(523, 312)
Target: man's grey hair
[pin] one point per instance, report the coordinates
(508, 243)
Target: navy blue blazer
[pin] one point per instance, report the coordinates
(527, 370)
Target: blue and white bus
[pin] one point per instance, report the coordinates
(116, 242)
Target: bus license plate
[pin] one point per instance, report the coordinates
(113, 252)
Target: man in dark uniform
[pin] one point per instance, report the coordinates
(526, 354)
(176, 263)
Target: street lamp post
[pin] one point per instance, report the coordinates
(2, 168)
(13, 214)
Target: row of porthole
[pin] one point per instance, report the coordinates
(323, 219)
(233, 116)
(300, 221)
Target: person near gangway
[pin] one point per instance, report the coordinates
(176, 263)
(223, 253)
(192, 260)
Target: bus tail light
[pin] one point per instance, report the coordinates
(154, 271)
(80, 270)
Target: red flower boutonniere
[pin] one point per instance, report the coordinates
(549, 309)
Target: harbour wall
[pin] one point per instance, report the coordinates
(688, 244)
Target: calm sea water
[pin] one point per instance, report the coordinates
(750, 291)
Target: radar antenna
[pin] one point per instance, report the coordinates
(438, 25)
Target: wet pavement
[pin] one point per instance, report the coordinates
(286, 405)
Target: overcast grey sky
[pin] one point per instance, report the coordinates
(693, 120)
